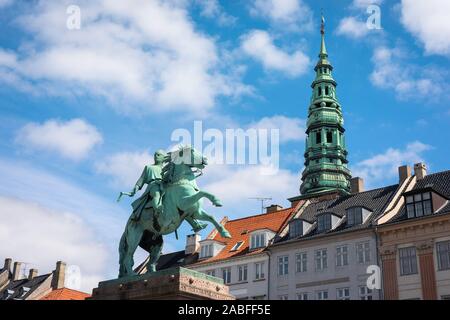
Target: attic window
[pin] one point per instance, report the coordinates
(258, 240)
(295, 228)
(237, 246)
(354, 216)
(324, 222)
(206, 251)
(418, 205)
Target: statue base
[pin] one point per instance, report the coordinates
(170, 284)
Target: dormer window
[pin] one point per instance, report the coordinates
(324, 222)
(357, 216)
(418, 205)
(295, 228)
(354, 216)
(206, 251)
(258, 240)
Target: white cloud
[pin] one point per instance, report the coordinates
(212, 9)
(428, 21)
(381, 167)
(73, 139)
(290, 15)
(124, 167)
(42, 236)
(139, 55)
(363, 4)
(259, 45)
(393, 71)
(291, 129)
(352, 28)
(234, 185)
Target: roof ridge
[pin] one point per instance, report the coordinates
(261, 214)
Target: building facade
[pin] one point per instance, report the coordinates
(414, 240)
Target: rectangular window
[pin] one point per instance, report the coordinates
(295, 228)
(363, 252)
(206, 251)
(321, 259)
(301, 261)
(211, 273)
(419, 205)
(226, 275)
(365, 293)
(324, 222)
(318, 137)
(259, 270)
(329, 137)
(242, 273)
(408, 261)
(237, 245)
(443, 255)
(302, 296)
(322, 295)
(258, 240)
(354, 216)
(283, 265)
(343, 294)
(341, 256)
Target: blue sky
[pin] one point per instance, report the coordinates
(81, 111)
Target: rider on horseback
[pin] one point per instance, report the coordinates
(152, 197)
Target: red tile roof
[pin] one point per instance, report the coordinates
(66, 294)
(241, 228)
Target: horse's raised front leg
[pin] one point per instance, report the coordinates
(205, 216)
(189, 201)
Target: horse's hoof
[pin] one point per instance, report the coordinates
(226, 234)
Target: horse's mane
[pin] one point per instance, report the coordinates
(169, 163)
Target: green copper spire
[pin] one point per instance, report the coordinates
(325, 150)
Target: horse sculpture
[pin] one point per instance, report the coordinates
(181, 200)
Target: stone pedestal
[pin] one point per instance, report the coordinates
(171, 284)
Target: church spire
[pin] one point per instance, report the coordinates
(325, 151)
(323, 48)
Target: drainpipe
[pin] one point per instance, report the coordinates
(380, 292)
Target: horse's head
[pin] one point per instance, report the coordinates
(189, 156)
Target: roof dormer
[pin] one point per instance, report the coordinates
(298, 228)
(357, 215)
(260, 238)
(210, 248)
(424, 202)
(327, 221)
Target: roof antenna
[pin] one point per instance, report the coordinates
(262, 202)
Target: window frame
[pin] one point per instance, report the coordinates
(365, 293)
(298, 228)
(407, 257)
(259, 271)
(413, 206)
(283, 265)
(324, 224)
(366, 251)
(226, 276)
(258, 240)
(354, 216)
(321, 259)
(242, 273)
(440, 252)
(301, 262)
(343, 296)
(342, 257)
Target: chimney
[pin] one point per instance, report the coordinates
(420, 170)
(59, 275)
(404, 172)
(356, 185)
(192, 243)
(33, 274)
(16, 270)
(273, 208)
(7, 265)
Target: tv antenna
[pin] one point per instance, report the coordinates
(262, 201)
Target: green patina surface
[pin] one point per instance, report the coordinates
(172, 271)
(325, 150)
